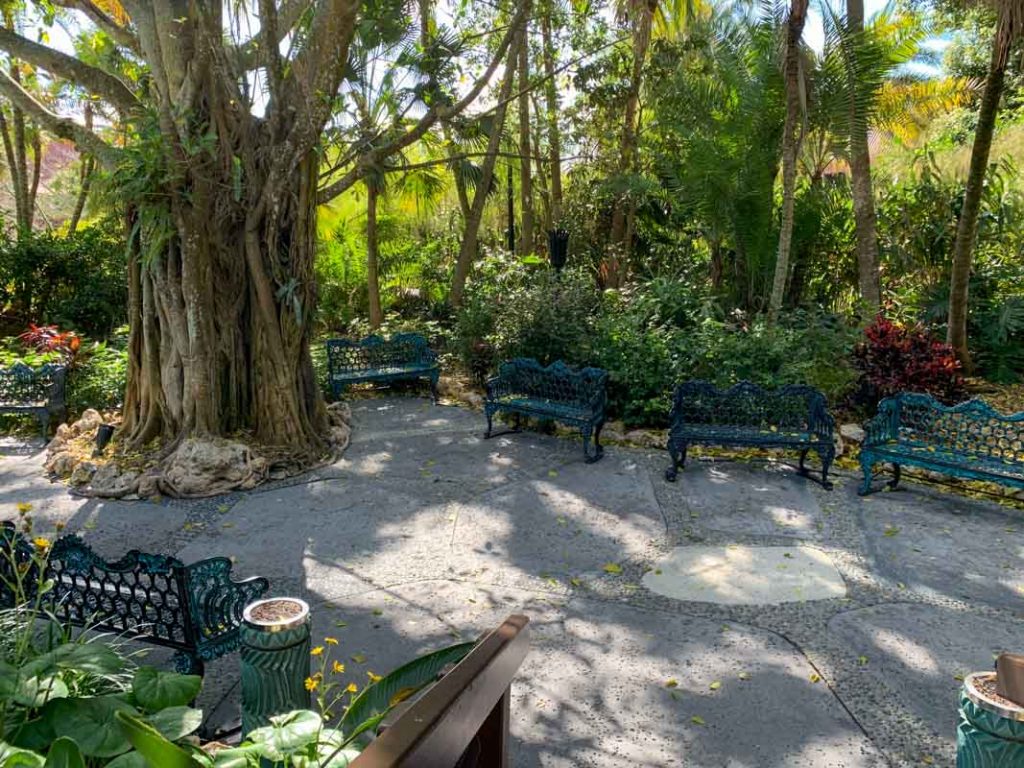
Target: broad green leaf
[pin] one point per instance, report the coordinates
(64, 754)
(15, 757)
(94, 658)
(155, 689)
(91, 723)
(176, 722)
(288, 733)
(376, 698)
(157, 750)
(131, 759)
(37, 691)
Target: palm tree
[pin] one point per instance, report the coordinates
(792, 134)
(1008, 30)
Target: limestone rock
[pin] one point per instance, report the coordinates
(852, 433)
(647, 438)
(474, 399)
(110, 481)
(88, 422)
(60, 463)
(615, 431)
(83, 473)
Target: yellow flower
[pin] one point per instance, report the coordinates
(311, 684)
(317, 651)
(352, 688)
(373, 678)
(23, 507)
(338, 668)
(331, 640)
(41, 543)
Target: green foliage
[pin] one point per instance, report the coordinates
(72, 280)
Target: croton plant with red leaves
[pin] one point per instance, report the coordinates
(906, 358)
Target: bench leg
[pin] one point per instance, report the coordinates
(827, 457)
(678, 454)
(44, 423)
(803, 458)
(867, 467)
(897, 473)
(490, 418)
(587, 456)
(433, 386)
(186, 663)
(597, 438)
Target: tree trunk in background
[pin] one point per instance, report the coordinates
(526, 242)
(860, 178)
(468, 249)
(1007, 30)
(643, 19)
(551, 96)
(372, 276)
(542, 174)
(790, 148)
(88, 165)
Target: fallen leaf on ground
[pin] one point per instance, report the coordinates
(671, 683)
(612, 568)
(697, 720)
(715, 685)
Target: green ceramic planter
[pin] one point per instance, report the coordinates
(989, 734)
(275, 660)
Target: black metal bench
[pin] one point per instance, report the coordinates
(194, 609)
(524, 387)
(375, 359)
(970, 440)
(35, 392)
(794, 416)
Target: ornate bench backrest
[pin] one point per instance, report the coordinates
(377, 353)
(195, 608)
(795, 407)
(21, 384)
(557, 382)
(971, 428)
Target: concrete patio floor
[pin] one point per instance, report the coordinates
(425, 533)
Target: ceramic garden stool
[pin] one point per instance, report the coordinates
(990, 731)
(275, 660)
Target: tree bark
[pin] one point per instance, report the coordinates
(470, 238)
(967, 227)
(84, 179)
(551, 96)
(372, 277)
(791, 136)
(643, 19)
(860, 178)
(526, 242)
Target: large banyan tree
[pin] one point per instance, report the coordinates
(216, 143)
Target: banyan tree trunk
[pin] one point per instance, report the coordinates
(220, 319)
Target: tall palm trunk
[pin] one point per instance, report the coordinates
(372, 263)
(642, 23)
(860, 173)
(525, 168)
(551, 96)
(791, 136)
(470, 237)
(1007, 31)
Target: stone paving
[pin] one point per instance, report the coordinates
(425, 533)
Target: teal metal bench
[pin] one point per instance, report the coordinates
(196, 609)
(970, 440)
(523, 387)
(35, 392)
(795, 416)
(405, 356)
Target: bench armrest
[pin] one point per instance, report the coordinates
(824, 426)
(216, 603)
(885, 426)
(496, 387)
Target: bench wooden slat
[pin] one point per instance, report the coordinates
(471, 701)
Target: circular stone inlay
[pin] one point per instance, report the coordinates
(744, 575)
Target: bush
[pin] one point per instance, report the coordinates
(76, 281)
(896, 358)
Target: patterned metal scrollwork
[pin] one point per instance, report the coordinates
(793, 416)
(971, 440)
(558, 392)
(375, 359)
(195, 609)
(33, 391)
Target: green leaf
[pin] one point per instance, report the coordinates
(15, 757)
(64, 754)
(93, 658)
(377, 697)
(288, 733)
(90, 723)
(37, 691)
(156, 750)
(155, 689)
(175, 723)
(8, 681)
(131, 759)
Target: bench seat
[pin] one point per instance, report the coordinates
(405, 356)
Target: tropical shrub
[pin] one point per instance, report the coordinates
(896, 358)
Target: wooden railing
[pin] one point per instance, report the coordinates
(465, 712)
